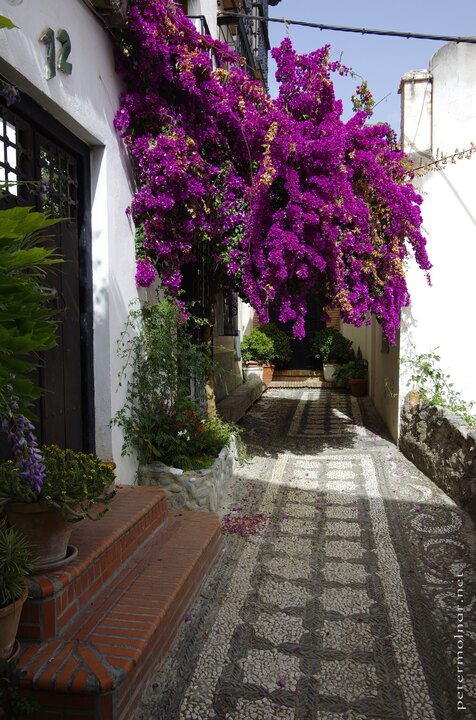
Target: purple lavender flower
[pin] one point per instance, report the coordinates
(24, 445)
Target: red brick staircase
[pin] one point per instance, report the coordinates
(92, 632)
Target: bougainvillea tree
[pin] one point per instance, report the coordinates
(195, 134)
(284, 196)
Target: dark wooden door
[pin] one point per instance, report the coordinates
(302, 357)
(36, 148)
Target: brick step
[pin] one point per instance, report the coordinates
(300, 379)
(98, 666)
(301, 383)
(297, 373)
(103, 547)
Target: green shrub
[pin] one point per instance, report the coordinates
(281, 343)
(27, 323)
(435, 386)
(329, 345)
(257, 347)
(355, 369)
(160, 420)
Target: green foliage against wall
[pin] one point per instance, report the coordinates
(27, 308)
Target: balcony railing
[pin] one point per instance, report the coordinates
(200, 23)
(201, 26)
(112, 12)
(248, 37)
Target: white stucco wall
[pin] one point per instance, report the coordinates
(208, 8)
(383, 370)
(85, 102)
(438, 117)
(441, 117)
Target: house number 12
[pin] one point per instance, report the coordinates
(48, 38)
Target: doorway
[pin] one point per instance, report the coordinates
(35, 147)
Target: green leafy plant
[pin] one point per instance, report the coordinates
(329, 345)
(16, 562)
(435, 386)
(6, 23)
(355, 369)
(202, 440)
(27, 323)
(258, 347)
(73, 483)
(160, 419)
(13, 704)
(281, 343)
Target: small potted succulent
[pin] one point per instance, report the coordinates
(354, 374)
(257, 350)
(16, 562)
(44, 491)
(330, 346)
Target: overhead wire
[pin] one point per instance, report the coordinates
(359, 31)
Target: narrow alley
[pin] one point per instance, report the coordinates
(346, 587)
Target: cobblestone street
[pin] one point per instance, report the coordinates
(354, 597)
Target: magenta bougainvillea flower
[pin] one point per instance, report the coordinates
(145, 273)
(282, 196)
(244, 525)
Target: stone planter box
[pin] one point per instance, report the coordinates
(194, 489)
(443, 447)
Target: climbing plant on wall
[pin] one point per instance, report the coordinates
(285, 195)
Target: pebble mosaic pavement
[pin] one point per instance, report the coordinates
(345, 605)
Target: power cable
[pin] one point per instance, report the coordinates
(358, 31)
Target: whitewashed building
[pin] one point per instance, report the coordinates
(59, 132)
(438, 120)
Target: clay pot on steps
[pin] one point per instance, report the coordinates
(9, 621)
(268, 372)
(357, 386)
(46, 530)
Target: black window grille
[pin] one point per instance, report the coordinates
(230, 313)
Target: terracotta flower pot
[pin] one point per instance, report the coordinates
(268, 372)
(9, 621)
(44, 527)
(358, 386)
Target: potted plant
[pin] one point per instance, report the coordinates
(330, 346)
(258, 349)
(281, 343)
(44, 491)
(160, 420)
(354, 373)
(16, 562)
